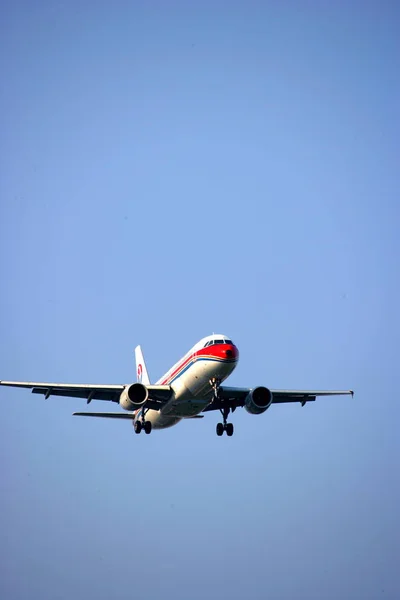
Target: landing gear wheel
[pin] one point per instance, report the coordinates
(229, 429)
(147, 427)
(220, 429)
(137, 426)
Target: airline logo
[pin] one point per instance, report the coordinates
(139, 372)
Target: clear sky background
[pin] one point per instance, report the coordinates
(170, 169)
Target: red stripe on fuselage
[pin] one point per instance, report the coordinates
(218, 352)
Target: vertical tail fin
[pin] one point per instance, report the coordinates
(141, 370)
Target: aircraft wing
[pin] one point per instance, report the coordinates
(234, 397)
(158, 394)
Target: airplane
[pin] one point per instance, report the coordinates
(191, 387)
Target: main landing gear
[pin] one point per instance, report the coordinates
(221, 427)
(142, 424)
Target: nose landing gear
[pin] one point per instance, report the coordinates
(215, 383)
(221, 427)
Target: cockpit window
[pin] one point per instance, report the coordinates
(214, 342)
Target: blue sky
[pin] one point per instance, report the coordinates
(169, 170)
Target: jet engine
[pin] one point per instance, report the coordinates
(134, 396)
(258, 400)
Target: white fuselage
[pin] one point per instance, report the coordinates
(214, 357)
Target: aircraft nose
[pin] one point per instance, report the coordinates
(231, 352)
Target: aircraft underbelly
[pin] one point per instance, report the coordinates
(184, 407)
(192, 391)
(160, 421)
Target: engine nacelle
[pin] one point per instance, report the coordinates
(258, 400)
(134, 396)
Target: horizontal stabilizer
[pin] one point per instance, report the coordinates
(105, 415)
(195, 417)
(128, 416)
